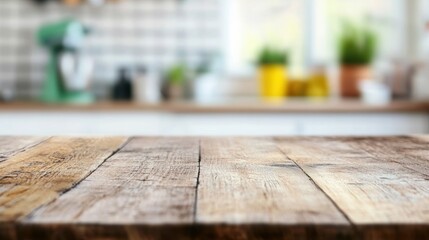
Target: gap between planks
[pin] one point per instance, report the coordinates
(39, 183)
(354, 228)
(157, 181)
(198, 182)
(383, 198)
(28, 216)
(25, 146)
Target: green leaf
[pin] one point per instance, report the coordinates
(271, 55)
(357, 46)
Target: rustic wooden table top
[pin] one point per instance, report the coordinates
(205, 188)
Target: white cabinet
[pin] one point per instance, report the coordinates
(210, 124)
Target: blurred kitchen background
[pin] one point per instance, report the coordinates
(214, 67)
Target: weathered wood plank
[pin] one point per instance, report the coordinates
(424, 138)
(367, 186)
(410, 152)
(250, 182)
(11, 145)
(38, 175)
(150, 181)
(20, 200)
(249, 188)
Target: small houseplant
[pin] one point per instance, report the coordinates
(273, 73)
(357, 50)
(176, 79)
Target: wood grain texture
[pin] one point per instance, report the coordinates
(250, 182)
(150, 181)
(216, 188)
(370, 181)
(424, 138)
(410, 152)
(37, 176)
(11, 145)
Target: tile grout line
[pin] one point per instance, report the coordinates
(343, 213)
(197, 183)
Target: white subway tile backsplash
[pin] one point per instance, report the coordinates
(130, 32)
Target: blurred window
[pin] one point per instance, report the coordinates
(308, 29)
(388, 18)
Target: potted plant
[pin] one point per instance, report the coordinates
(357, 50)
(174, 86)
(273, 73)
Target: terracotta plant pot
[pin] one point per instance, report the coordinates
(350, 76)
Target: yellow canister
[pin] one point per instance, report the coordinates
(318, 84)
(273, 81)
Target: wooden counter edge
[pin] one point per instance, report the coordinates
(214, 231)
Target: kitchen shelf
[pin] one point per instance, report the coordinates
(231, 106)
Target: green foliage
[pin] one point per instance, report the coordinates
(357, 46)
(177, 74)
(270, 55)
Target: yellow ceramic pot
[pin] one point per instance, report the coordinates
(273, 81)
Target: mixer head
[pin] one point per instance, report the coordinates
(66, 34)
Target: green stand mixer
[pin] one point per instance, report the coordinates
(68, 72)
